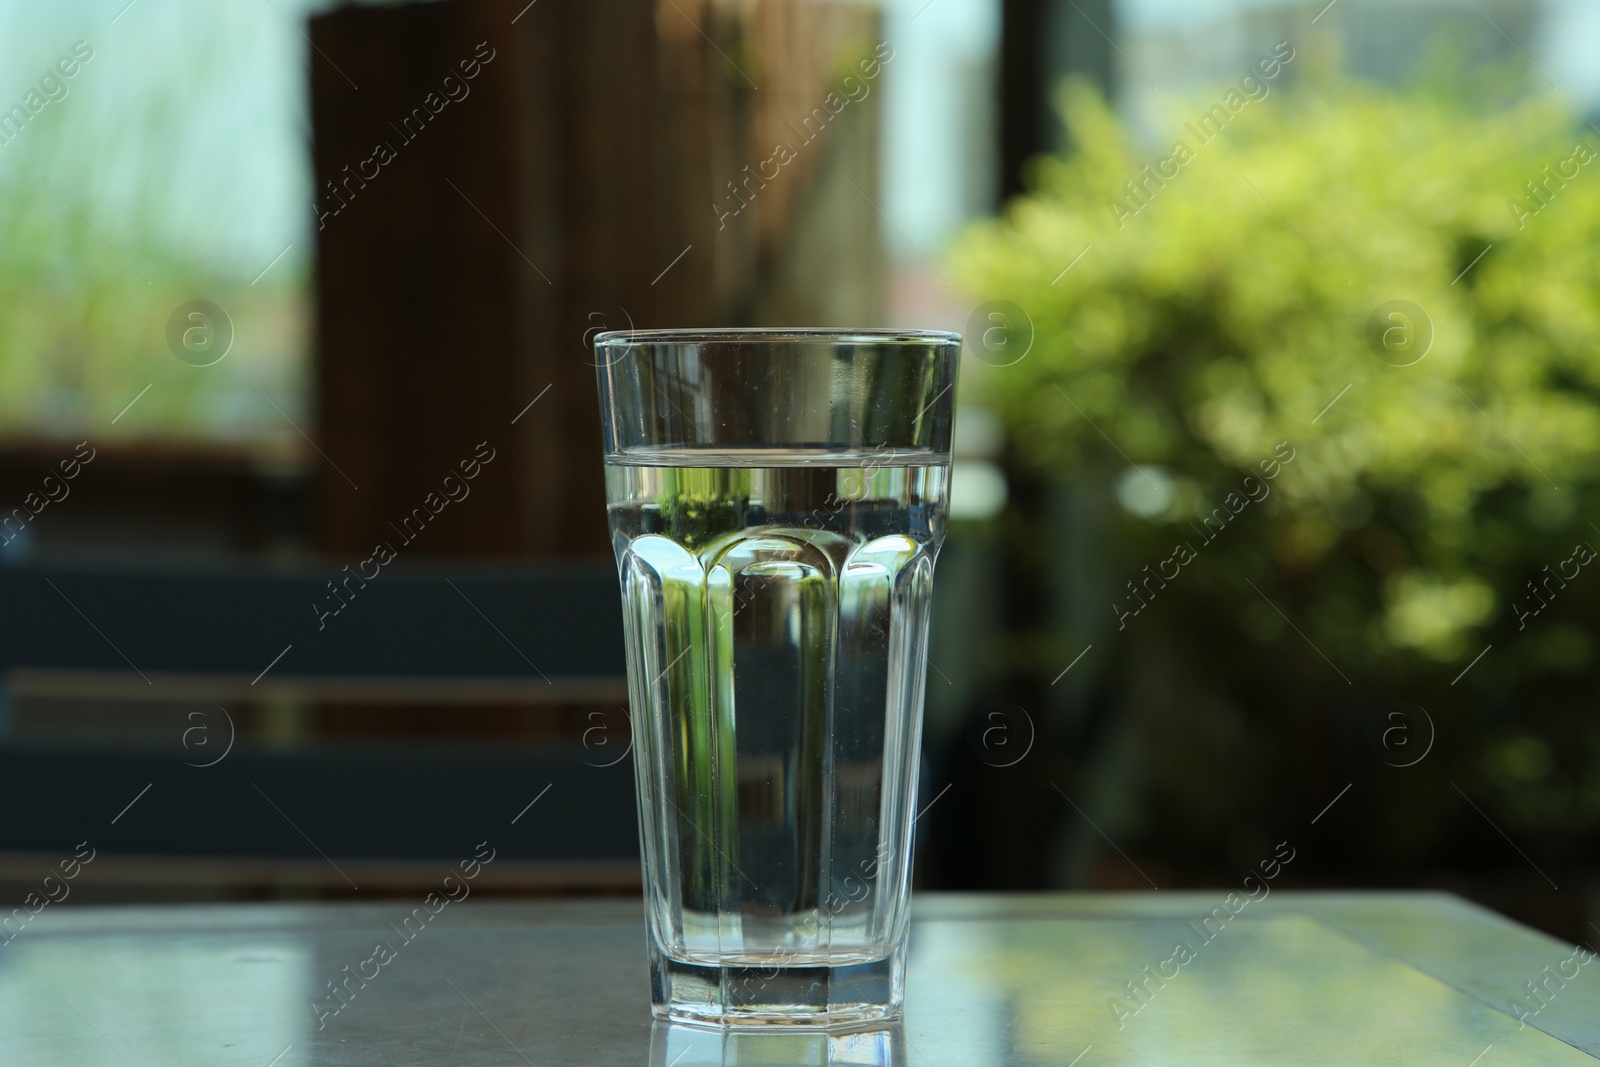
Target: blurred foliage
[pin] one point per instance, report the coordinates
(1221, 317)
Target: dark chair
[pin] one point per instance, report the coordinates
(324, 815)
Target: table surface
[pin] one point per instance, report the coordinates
(1345, 979)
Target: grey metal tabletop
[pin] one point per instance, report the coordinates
(1090, 980)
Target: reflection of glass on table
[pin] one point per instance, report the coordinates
(879, 1045)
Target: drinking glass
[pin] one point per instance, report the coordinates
(776, 501)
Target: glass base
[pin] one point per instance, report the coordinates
(675, 1045)
(849, 995)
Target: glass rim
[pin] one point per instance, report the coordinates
(771, 334)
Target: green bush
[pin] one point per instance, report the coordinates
(1216, 319)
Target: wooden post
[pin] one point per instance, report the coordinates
(496, 182)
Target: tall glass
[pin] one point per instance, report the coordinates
(776, 500)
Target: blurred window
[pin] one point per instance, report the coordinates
(168, 166)
(938, 143)
(1188, 47)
